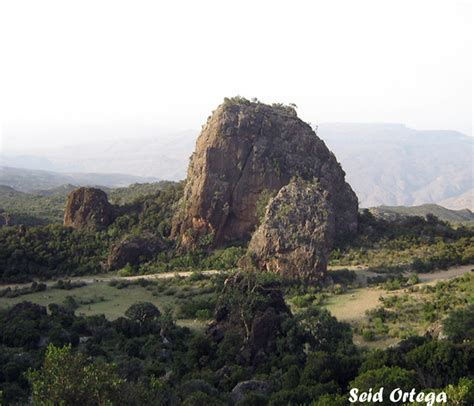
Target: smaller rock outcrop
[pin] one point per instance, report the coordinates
(297, 232)
(132, 250)
(88, 208)
(242, 389)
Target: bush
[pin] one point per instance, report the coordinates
(459, 325)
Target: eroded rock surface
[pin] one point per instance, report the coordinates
(88, 208)
(133, 250)
(245, 151)
(297, 232)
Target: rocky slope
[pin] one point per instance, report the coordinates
(246, 151)
(88, 208)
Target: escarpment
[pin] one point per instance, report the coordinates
(245, 152)
(88, 208)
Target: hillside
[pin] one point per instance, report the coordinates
(47, 206)
(452, 216)
(33, 209)
(30, 180)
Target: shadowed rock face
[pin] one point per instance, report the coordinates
(131, 250)
(297, 232)
(88, 208)
(246, 149)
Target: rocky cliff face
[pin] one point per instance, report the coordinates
(297, 232)
(88, 208)
(245, 151)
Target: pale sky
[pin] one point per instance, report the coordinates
(68, 66)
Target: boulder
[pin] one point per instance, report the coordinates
(88, 208)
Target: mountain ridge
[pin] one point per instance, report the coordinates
(386, 163)
(463, 216)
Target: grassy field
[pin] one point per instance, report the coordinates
(353, 305)
(105, 299)
(101, 298)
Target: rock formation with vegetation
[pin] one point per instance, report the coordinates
(133, 250)
(248, 151)
(88, 208)
(297, 232)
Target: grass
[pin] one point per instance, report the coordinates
(115, 303)
(413, 309)
(352, 306)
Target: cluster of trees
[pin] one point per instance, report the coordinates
(401, 315)
(417, 243)
(50, 251)
(47, 251)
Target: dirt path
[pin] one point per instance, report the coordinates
(156, 276)
(362, 273)
(447, 274)
(104, 279)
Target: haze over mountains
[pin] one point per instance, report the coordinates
(386, 164)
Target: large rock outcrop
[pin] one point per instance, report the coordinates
(297, 232)
(245, 151)
(88, 208)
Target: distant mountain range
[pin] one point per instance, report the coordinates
(32, 180)
(390, 164)
(464, 216)
(386, 164)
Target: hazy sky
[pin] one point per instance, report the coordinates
(69, 68)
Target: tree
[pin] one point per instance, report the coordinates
(389, 378)
(326, 332)
(142, 312)
(459, 325)
(461, 394)
(438, 363)
(67, 378)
